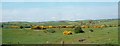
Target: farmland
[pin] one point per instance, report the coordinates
(107, 35)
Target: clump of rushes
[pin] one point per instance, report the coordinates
(91, 30)
(50, 30)
(78, 29)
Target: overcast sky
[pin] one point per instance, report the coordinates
(60, 0)
(53, 11)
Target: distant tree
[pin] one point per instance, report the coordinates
(78, 29)
(21, 27)
(118, 24)
(27, 26)
(2, 25)
(90, 21)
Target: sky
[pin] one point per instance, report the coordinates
(60, 0)
(55, 11)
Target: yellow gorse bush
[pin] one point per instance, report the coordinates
(67, 33)
(14, 27)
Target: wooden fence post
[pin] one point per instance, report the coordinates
(47, 42)
(62, 42)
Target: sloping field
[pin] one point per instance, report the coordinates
(23, 36)
(108, 35)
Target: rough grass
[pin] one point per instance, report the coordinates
(0, 36)
(24, 36)
(107, 35)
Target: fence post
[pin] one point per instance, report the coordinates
(18, 42)
(62, 42)
(47, 42)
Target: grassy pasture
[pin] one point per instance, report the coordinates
(108, 35)
(0, 36)
(23, 36)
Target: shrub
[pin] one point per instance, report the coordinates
(67, 33)
(110, 25)
(51, 30)
(91, 30)
(78, 29)
(2, 26)
(21, 27)
(27, 26)
(118, 24)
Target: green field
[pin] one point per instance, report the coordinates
(0, 36)
(108, 35)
